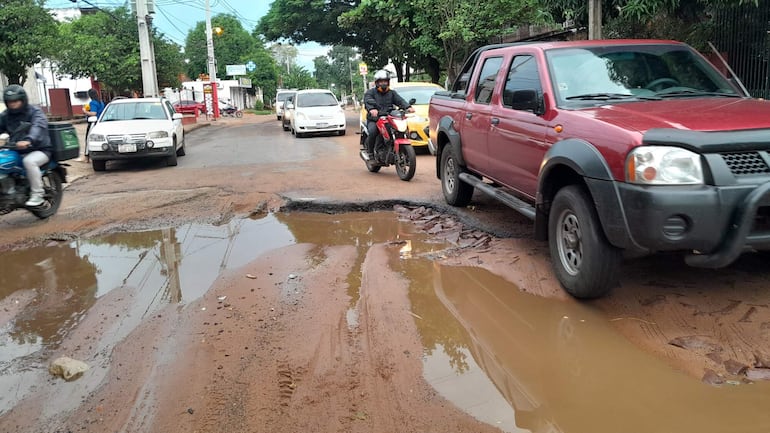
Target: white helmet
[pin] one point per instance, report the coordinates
(381, 75)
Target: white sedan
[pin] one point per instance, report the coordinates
(136, 128)
(316, 110)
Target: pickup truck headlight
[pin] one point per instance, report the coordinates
(96, 138)
(664, 165)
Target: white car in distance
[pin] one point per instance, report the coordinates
(132, 128)
(316, 110)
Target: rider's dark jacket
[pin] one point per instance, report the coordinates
(383, 102)
(38, 131)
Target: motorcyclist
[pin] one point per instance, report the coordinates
(35, 146)
(380, 99)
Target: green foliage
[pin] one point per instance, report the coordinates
(265, 76)
(229, 47)
(101, 45)
(299, 78)
(105, 45)
(27, 32)
(340, 68)
(306, 20)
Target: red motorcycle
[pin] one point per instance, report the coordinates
(392, 146)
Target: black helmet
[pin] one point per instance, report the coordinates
(14, 92)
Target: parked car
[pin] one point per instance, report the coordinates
(288, 111)
(187, 106)
(316, 110)
(280, 98)
(417, 125)
(136, 128)
(615, 148)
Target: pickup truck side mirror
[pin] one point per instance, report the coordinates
(523, 100)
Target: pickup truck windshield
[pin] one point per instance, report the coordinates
(622, 73)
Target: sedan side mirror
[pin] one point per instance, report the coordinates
(288, 106)
(177, 116)
(91, 119)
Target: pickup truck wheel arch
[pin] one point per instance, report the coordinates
(577, 161)
(456, 192)
(583, 260)
(447, 135)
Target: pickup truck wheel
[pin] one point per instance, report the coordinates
(99, 164)
(456, 192)
(583, 260)
(406, 164)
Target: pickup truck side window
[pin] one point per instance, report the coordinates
(487, 79)
(523, 75)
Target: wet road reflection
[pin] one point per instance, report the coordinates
(511, 359)
(563, 369)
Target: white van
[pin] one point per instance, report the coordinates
(280, 97)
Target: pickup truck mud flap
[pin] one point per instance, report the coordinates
(508, 199)
(739, 234)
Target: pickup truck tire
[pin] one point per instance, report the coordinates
(583, 260)
(99, 165)
(456, 192)
(406, 162)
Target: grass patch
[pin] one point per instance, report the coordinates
(255, 111)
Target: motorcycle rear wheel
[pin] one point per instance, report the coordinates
(239, 114)
(406, 162)
(52, 195)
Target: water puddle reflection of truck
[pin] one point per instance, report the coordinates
(514, 360)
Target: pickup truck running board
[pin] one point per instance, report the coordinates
(508, 199)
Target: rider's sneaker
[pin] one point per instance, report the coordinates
(35, 199)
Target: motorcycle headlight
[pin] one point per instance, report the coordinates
(157, 134)
(400, 124)
(663, 165)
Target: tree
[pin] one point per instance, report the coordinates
(265, 75)
(229, 46)
(105, 45)
(299, 78)
(96, 45)
(337, 68)
(27, 32)
(307, 20)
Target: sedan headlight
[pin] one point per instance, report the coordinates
(96, 138)
(298, 115)
(664, 165)
(157, 134)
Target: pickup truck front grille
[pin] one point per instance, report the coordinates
(745, 163)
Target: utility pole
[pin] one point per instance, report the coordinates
(149, 77)
(594, 19)
(212, 104)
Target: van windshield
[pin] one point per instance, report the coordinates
(316, 100)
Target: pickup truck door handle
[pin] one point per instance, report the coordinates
(495, 121)
(468, 115)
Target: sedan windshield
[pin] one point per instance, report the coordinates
(315, 100)
(133, 111)
(632, 72)
(421, 95)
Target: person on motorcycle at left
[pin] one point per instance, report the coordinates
(35, 147)
(380, 99)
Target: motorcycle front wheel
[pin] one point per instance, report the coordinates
(52, 195)
(239, 114)
(406, 162)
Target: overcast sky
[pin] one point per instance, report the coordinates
(176, 17)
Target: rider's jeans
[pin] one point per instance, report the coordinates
(32, 162)
(371, 127)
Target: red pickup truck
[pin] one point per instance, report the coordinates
(615, 148)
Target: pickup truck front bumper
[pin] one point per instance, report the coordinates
(715, 223)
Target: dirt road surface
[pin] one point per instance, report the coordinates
(271, 346)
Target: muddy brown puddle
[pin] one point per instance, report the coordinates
(509, 358)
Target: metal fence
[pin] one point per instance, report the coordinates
(742, 38)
